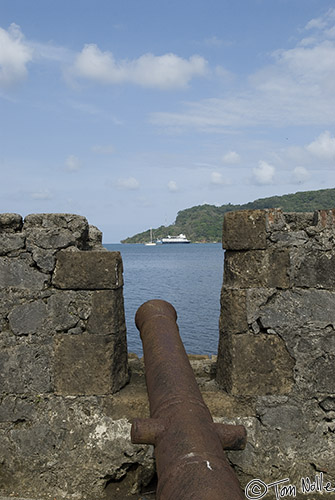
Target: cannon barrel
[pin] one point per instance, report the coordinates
(190, 460)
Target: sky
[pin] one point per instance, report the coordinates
(127, 111)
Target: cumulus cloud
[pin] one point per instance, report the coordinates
(14, 56)
(73, 163)
(217, 179)
(129, 183)
(323, 147)
(300, 175)
(231, 158)
(172, 186)
(164, 72)
(264, 173)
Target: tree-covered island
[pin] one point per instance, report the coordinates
(203, 223)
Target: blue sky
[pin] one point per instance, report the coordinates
(128, 111)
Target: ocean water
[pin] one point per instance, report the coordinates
(187, 276)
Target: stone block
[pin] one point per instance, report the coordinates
(44, 259)
(66, 309)
(299, 221)
(254, 365)
(18, 273)
(233, 318)
(313, 269)
(70, 448)
(86, 364)
(10, 223)
(25, 369)
(95, 237)
(75, 223)
(107, 315)
(257, 268)
(244, 230)
(91, 270)
(322, 373)
(293, 310)
(27, 318)
(15, 409)
(10, 242)
(55, 231)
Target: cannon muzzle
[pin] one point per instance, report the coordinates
(190, 460)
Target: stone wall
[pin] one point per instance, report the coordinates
(277, 341)
(67, 396)
(63, 355)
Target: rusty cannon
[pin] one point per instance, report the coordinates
(190, 460)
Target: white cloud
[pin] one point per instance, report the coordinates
(14, 56)
(164, 72)
(217, 179)
(51, 52)
(321, 22)
(231, 158)
(296, 89)
(300, 175)
(172, 186)
(264, 173)
(73, 163)
(323, 147)
(129, 183)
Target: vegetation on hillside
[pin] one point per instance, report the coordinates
(203, 223)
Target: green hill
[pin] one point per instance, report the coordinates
(203, 223)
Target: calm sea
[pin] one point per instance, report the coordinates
(188, 276)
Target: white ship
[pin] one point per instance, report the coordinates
(181, 238)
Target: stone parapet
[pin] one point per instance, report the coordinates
(63, 354)
(277, 339)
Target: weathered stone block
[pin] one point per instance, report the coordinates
(28, 318)
(256, 364)
(313, 269)
(48, 239)
(233, 318)
(322, 371)
(19, 274)
(67, 308)
(45, 259)
(95, 238)
(293, 310)
(244, 230)
(10, 242)
(257, 268)
(70, 448)
(91, 270)
(75, 223)
(256, 299)
(25, 368)
(55, 231)
(85, 365)
(107, 314)
(14, 408)
(298, 221)
(10, 223)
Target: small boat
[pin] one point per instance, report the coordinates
(150, 243)
(181, 238)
